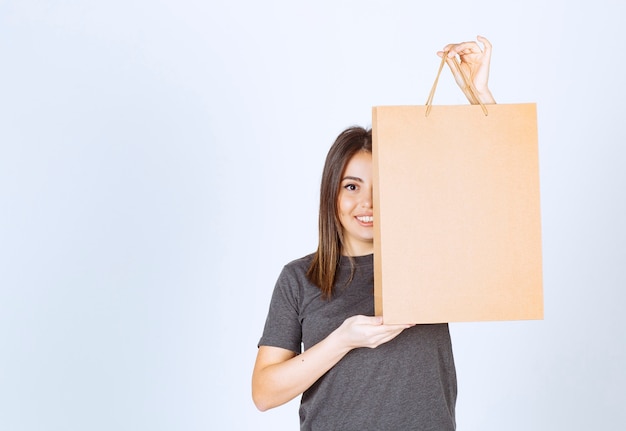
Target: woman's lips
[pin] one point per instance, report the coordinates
(366, 219)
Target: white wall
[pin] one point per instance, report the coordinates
(160, 161)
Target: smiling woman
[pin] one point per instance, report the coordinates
(355, 372)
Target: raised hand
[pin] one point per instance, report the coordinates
(474, 62)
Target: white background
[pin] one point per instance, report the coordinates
(160, 162)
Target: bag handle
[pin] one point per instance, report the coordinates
(469, 88)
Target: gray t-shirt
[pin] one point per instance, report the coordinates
(406, 384)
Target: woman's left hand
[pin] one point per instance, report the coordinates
(474, 63)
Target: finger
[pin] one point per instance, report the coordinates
(386, 337)
(386, 330)
(485, 42)
(396, 326)
(454, 68)
(366, 320)
(371, 320)
(467, 48)
(392, 330)
(487, 47)
(450, 49)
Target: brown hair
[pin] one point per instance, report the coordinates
(325, 261)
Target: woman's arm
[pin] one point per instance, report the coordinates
(280, 375)
(474, 63)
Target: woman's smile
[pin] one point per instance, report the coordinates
(366, 220)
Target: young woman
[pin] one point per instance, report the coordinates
(321, 339)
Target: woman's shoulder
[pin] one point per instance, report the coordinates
(301, 264)
(293, 277)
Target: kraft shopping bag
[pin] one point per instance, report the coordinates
(457, 231)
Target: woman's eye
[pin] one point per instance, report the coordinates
(351, 187)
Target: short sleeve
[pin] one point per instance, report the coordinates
(282, 326)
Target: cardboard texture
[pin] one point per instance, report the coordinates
(457, 232)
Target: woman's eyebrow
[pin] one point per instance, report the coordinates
(348, 177)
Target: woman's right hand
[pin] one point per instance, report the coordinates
(280, 375)
(368, 331)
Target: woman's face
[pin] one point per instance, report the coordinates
(354, 204)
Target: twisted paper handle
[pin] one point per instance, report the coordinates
(469, 88)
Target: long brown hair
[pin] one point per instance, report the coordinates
(326, 260)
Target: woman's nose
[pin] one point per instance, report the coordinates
(367, 199)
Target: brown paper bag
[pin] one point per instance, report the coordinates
(457, 232)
